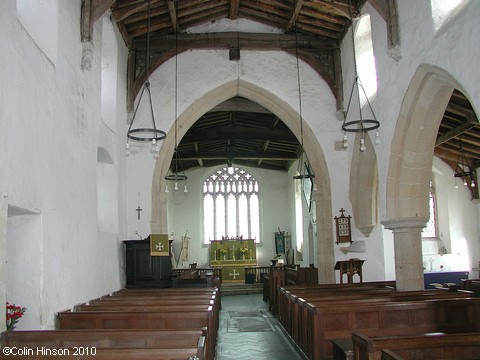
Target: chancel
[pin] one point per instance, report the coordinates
(273, 112)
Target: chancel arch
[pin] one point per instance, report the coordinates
(291, 118)
(410, 169)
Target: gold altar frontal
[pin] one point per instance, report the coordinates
(233, 255)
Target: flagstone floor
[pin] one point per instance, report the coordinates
(248, 331)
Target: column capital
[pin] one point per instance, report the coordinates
(403, 224)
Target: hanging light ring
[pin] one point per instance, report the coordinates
(176, 177)
(366, 125)
(149, 134)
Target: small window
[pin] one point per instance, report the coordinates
(444, 10)
(231, 205)
(367, 70)
(430, 231)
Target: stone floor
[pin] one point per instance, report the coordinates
(248, 331)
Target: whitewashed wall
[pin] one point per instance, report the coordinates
(50, 110)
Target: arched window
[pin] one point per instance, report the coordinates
(231, 205)
(430, 230)
(367, 70)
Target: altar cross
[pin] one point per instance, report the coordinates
(234, 274)
(138, 209)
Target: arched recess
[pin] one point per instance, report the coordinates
(291, 118)
(364, 186)
(413, 143)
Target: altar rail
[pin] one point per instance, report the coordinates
(211, 276)
(258, 272)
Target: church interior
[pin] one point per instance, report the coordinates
(238, 133)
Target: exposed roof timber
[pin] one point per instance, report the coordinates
(237, 155)
(173, 14)
(247, 41)
(456, 132)
(293, 18)
(121, 14)
(234, 6)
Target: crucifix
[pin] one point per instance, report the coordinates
(138, 209)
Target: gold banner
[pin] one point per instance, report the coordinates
(159, 245)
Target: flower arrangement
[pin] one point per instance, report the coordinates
(14, 313)
(223, 251)
(244, 250)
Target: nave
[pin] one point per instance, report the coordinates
(247, 330)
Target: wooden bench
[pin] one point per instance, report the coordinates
(110, 354)
(186, 319)
(300, 318)
(431, 346)
(186, 343)
(325, 323)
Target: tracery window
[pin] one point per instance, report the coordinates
(231, 205)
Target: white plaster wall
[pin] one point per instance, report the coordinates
(48, 156)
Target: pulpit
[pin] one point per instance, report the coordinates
(233, 255)
(350, 268)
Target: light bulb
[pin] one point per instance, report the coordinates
(166, 188)
(153, 148)
(456, 185)
(127, 150)
(465, 182)
(362, 145)
(176, 186)
(377, 138)
(185, 190)
(472, 184)
(314, 187)
(345, 141)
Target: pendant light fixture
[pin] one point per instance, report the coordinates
(178, 174)
(463, 169)
(146, 134)
(361, 124)
(304, 170)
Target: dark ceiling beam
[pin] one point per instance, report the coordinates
(91, 11)
(238, 133)
(249, 41)
(293, 18)
(126, 11)
(458, 131)
(234, 6)
(243, 155)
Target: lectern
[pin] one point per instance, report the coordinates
(350, 268)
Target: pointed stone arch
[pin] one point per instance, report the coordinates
(410, 168)
(291, 118)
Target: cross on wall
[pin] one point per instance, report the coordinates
(138, 209)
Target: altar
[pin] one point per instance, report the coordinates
(232, 255)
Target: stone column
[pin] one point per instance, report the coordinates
(407, 235)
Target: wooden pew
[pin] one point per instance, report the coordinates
(431, 346)
(186, 319)
(325, 323)
(183, 343)
(111, 354)
(299, 321)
